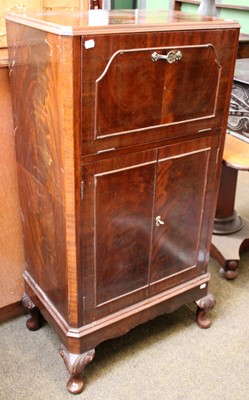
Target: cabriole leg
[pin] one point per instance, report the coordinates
(203, 306)
(36, 320)
(75, 364)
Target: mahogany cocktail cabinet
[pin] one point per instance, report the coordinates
(119, 121)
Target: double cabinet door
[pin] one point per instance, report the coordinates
(145, 222)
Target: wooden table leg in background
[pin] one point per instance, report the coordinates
(226, 219)
(231, 232)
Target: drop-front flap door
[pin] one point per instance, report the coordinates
(141, 88)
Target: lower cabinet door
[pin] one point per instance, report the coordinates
(145, 223)
(116, 231)
(184, 204)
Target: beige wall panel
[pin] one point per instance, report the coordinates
(14, 5)
(61, 4)
(11, 246)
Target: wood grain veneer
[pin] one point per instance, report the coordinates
(118, 160)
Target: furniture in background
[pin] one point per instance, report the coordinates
(95, 4)
(243, 49)
(219, 5)
(118, 167)
(238, 119)
(207, 7)
(231, 232)
(11, 244)
(230, 11)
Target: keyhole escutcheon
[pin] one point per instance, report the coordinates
(159, 221)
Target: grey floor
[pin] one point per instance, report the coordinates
(169, 358)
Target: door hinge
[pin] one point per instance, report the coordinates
(82, 190)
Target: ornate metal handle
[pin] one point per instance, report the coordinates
(159, 221)
(171, 57)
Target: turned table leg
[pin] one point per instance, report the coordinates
(228, 239)
(203, 306)
(36, 320)
(226, 219)
(76, 364)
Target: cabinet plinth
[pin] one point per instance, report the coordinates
(119, 131)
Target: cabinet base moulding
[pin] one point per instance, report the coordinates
(78, 344)
(115, 324)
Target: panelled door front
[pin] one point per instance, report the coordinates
(117, 225)
(183, 206)
(177, 81)
(144, 223)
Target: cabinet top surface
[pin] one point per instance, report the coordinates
(115, 21)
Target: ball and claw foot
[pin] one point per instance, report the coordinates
(36, 320)
(230, 271)
(75, 364)
(203, 306)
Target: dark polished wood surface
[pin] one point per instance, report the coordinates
(118, 168)
(164, 96)
(95, 4)
(168, 106)
(243, 49)
(12, 310)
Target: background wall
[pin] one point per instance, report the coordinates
(122, 4)
(241, 16)
(11, 246)
(35, 5)
(158, 4)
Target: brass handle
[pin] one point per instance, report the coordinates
(171, 57)
(159, 221)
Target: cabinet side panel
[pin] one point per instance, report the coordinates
(43, 224)
(36, 76)
(36, 72)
